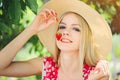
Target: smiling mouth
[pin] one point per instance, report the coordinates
(64, 40)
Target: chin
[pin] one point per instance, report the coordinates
(67, 49)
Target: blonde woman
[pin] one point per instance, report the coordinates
(78, 38)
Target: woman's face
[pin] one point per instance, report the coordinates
(70, 29)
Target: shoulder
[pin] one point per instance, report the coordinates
(38, 63)
(50, 70)
(86, 70)
(49, 61)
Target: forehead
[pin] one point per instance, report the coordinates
(70, 17)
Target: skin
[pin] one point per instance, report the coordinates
(69, 46)
(34, 66)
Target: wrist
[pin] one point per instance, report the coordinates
(33, 28)
(30, 31)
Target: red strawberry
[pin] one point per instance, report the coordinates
(58, 36)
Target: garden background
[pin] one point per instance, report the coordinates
(16, 15)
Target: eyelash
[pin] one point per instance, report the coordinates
(62, 27)
(74, 28)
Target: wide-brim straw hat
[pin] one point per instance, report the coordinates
(100, 29)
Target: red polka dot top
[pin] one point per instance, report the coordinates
(50, 70)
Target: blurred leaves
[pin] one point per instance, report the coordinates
(12, 15)
(14, 10)
(110, 10)
(15, 15)
(116, 45)
(12, 18)
(37, 46)
(32, 4)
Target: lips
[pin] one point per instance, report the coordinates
(65, 40)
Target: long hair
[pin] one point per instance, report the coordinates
(87, 50)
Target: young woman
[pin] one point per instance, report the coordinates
(77, 37)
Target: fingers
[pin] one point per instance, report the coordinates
(47, 15)
(98, 76)
(102, 69)
(52, 16)
(43, 20)
(103, 66)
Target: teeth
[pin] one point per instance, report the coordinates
(66, 40)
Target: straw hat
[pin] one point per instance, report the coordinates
(100, 30)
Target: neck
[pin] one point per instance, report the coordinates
(69, 61)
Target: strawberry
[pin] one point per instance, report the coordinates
(58, 36)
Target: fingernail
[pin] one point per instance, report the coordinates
(52, 13)
(55, 13)
(46, 16)
(57, 19)
(103, 71)
(96, 72)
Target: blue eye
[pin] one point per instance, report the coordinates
(76, 29)
(62, 27)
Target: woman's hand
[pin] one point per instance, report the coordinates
(44, 19)
(101, 71)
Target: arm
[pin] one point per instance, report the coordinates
(41, 22)
(23, 68)
(8, 53)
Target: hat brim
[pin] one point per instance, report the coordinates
(100, 29)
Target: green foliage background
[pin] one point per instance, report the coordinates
(16, 15)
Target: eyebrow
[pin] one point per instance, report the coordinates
(72, 24)
(62, 23)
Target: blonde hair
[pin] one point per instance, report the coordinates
(87, 49)
(88, 46)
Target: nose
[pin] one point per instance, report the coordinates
(65, 33)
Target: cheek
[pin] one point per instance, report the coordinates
(77, 39)
(58, 44)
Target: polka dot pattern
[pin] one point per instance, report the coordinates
(51, 69)
(86, 71)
